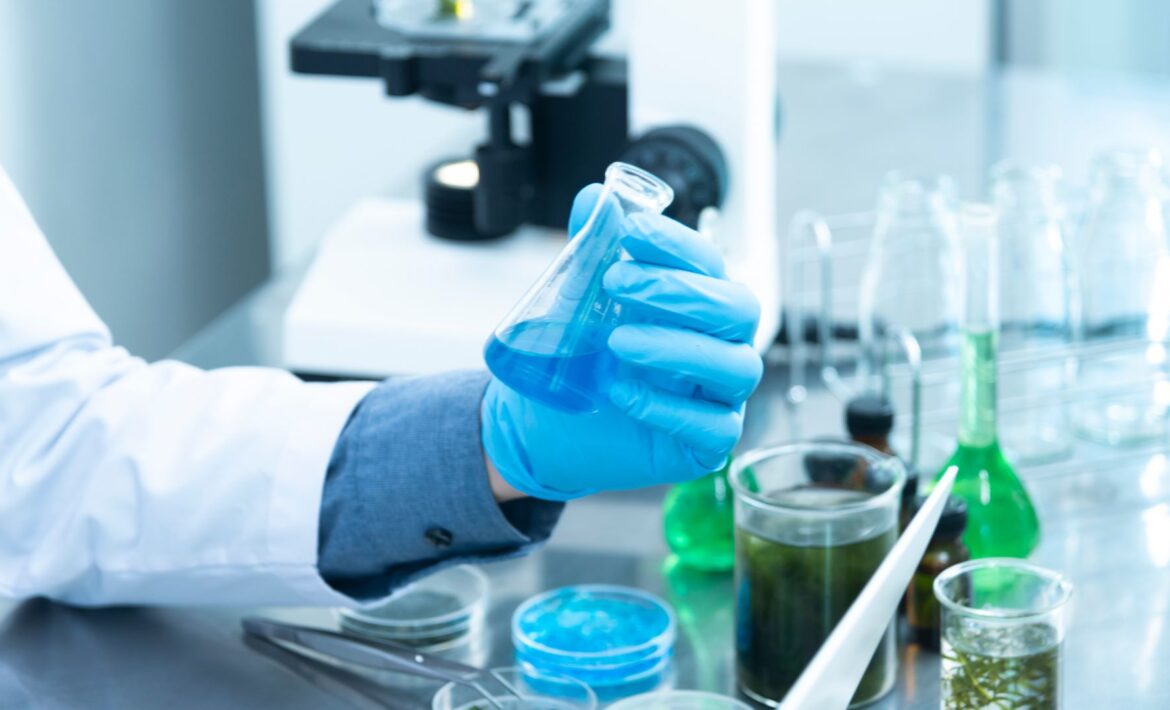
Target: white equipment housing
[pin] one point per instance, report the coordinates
(384, 297)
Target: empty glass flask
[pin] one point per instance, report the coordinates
(1123, 266)
(911, 276)
(1035, 305)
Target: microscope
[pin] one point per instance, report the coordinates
(692, 99)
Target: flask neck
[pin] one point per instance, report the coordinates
(978, 416)
(910, 204)
(977, 427)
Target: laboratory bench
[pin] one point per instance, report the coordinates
(1106, 518)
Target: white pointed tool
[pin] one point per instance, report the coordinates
(829, 681)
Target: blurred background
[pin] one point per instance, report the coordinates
(175, 163)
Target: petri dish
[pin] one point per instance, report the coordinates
(554, 693)
(435, 613)
(618, 640)
(680, 700)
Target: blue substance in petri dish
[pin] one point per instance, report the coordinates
(619, 641)
(562, 365)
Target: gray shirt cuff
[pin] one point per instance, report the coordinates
(407, 492)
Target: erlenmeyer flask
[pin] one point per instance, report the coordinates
(553, 346)
(1124, 270)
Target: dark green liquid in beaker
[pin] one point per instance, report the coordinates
(789, 598)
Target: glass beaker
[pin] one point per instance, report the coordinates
(553, 345)
(813, 521)
(913, 266)
(1123, 266)
(1003, 626)
(1035, 305)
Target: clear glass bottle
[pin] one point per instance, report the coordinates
(1035, 297)
(1123, 264)
(946, 549)
(911, 270)
(552, 346)
(1001, 519)
(698, 518)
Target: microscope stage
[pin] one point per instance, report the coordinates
(383, 297)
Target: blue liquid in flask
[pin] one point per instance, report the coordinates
(567, 366)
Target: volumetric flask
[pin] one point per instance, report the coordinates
(812, 523)
(1003, 625)
(912, 274)
(553, 346)
(1035, 305)
(1123, 265)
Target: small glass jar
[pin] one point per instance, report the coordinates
(536, 692)
(946, 549)
(1003, 628)
(809, 535)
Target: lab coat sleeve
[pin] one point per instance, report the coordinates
(407, 491)
(128, 482)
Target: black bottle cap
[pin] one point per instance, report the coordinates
(869, 415)
(830, 469)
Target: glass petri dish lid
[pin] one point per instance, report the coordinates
(618, 640)
(515, 689)
(680, 700)
(436, 611)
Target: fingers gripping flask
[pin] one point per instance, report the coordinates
(553, 346)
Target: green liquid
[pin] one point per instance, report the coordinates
(1010, 668)
(698, 518)
(1001, 519)
(790, 597)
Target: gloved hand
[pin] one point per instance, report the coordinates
(688, 366)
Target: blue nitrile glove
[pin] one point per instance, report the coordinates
(688, 366)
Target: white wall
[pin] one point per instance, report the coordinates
(948, 35)
(1089, 35)
(132, 129)
(330, 140)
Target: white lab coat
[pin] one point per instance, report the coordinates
(128, 482)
